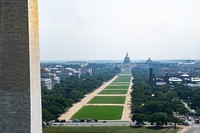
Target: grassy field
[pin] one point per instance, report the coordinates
(123, 79)
(108, 100)
(119, 84)
(117, 87)
(106, 130)
(113, 92)
(100, 112)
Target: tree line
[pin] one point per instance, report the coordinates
(155, 104)
(189, 95)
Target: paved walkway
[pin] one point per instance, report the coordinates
(126, 116)
(112, 95)
(104, 105)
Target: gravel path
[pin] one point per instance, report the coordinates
(126, 116)
(104, 105)
(112, 95)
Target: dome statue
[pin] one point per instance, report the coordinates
(149, 61)
(45, 70)
(127, 59)
(69, 69)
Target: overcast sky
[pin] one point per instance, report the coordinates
(107, 29)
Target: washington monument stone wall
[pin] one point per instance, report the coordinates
(20, 92)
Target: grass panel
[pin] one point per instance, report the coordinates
(100, 112)
(123, 79)
(117, 87)
(108, 100)
(113, 92)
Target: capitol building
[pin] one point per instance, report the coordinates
(126, 66)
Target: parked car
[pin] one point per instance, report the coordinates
(82, 120)
(76, 120)
(88, 120)
(57, 120)
(95, 120)
(62, 121)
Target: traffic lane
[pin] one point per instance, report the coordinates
(95, 124)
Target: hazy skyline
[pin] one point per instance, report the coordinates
(107, 29)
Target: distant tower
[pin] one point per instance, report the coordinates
(20, 92)
(166, 78)
(151, 76)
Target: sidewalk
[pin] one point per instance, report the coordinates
(184, 129)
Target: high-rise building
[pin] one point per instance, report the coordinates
(151, 76)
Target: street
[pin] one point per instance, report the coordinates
(102, 123)
(193, 128)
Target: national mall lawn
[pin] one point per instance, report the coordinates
(106, 130)
(123, 79)
(117, 87)
(108, 100)
(113, 92)
(99, 112)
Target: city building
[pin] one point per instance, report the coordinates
(48, 78)
(69, 72)
(188, 66)
(77, 63)
(85, 70)
(45, 72)
(47, 83)
(55, 79)
(181, 78)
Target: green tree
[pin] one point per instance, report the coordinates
(138, 109)
(159, 118)
(153, 106)
(46, 115)
(175, 120)
(182, 110)
(139, 118)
